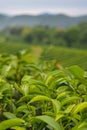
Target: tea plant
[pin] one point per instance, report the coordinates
(65, 56)
(41, 97)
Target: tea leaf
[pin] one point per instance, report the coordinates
(50, 121)
(9, 115)
(59, 116)
(10, 123)
(40, 98)
(79, 107)
(81, 126)
(70, 99)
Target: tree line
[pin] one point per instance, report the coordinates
(75, 36)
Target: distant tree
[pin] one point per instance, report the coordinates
(83, 34)
(15, 30)
(38, 34)
(72, 36)
(83, 26)
(83, 37)
(59, 33)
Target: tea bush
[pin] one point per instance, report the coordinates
(41, 96)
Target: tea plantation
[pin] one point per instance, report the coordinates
(66, 56)
(42, 95)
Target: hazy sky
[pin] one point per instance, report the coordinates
(70, 7)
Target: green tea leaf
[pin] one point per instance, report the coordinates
(59, 116)
(76, 71)
(81, 126)
(40, 98)
(79, 107)
(18, 88)
(56, 105)
(18, 128)
(79, 73)
(25, 98)
(63, 94)
(10, 123)
(50, 121)
(69, 99)
(9, 115)
(22, 108)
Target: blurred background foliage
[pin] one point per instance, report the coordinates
(75, 36)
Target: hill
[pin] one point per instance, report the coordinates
(45, 19)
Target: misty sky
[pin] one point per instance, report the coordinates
(70, 7)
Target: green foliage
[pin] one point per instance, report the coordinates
(72, 36)
(42, 96)
(64, 56)
(10, 123)
(75, 36)
(50, 121)
(7, 47)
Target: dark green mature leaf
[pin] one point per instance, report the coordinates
(50, 121)
(9, 115)
(70, 100)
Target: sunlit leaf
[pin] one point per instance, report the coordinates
(59, 116)
(80, 107)
(40, 98)
(81, 126)
(18, 128)
(10, 123)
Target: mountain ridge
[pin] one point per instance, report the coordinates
(44, 19)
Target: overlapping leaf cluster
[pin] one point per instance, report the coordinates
(41, 97)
